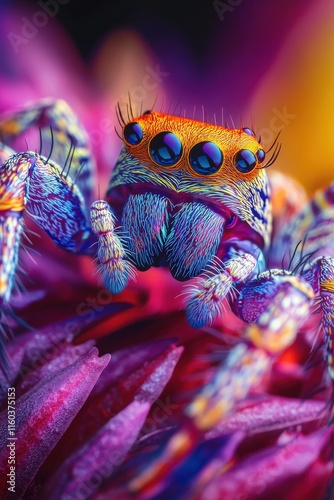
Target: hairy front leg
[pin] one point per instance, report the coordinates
(205, 303)
(115, 268)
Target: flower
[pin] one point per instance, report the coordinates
(118, 397)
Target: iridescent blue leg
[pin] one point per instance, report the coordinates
(310, 235)
(61, 131)
(205, 302)
(55, 193)
(276, 303)
(30, 182)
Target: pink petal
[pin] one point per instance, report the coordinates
(99, 458)
(113, 395)
(125, 361)
(67, 356)
(273, 472)
(271, 414)
(29, 350)
(44, 413)
(109, 446)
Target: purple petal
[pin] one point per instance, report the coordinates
(44, 413)
(133, 379)
(272, 414)
(98, 458)
(29, 350)
(272, 473)
(67, 356)
(128, 360)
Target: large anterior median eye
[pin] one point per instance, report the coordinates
(165, 149)
(206, 158)
(245, 161)
(133, 133)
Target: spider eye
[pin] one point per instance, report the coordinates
(133, 133)
(206, 158)
(165, 149)
(249, 131)
(245, 161)
(260, 155)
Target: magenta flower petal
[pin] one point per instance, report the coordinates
(97, 459)
(44, 413)
(153, 385)
(277, 471)
(68, 355)
(86, 469)
(125, 361)
(273, 413)
(31, 350)
(27, 351)
(143, 383)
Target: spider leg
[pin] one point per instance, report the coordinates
(10, 234)
(276, 304)
(313, 227)
(56, 193)
(29, 182)
(205, 299)
(242, 370)
(273, 327)
(116, 269)
(62, 136)
(320, 274)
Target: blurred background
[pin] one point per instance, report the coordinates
(267, 65)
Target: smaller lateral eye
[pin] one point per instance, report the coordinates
(245, 161)
(133, 133)
(260, 155)
(249, 131)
